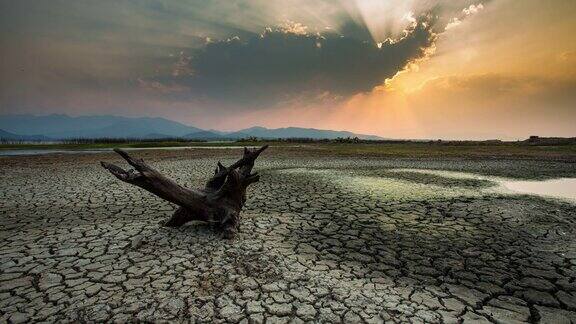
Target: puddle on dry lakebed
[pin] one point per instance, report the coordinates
(560, 188)
(564, 188)
(398, 189)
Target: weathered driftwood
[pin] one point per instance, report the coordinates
(219, 202)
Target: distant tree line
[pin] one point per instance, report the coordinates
(533, 140)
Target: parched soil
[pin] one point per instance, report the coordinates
(324, 238)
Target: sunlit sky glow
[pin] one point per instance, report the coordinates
(478, 69)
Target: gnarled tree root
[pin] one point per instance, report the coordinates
(219, 202)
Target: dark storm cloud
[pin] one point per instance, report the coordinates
(280, 64)
(60, 49)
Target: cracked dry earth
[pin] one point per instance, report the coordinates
(322, 240)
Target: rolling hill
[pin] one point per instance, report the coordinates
(297, 132)
(58, 126)
(63, 126)
(4, 135)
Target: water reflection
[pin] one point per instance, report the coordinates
(394, 188)
(16, 152)
(561, 188)
(564, 188)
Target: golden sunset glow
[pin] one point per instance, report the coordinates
(398, 69)
(484, 79)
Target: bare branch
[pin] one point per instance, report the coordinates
(245, 164)
(219, 202)
(154, 182)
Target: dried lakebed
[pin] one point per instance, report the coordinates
(322, 240)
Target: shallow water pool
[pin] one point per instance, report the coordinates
(391, 188)
(17, 152)
(563, 188)
(560, 188)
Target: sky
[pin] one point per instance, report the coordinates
(451, 69)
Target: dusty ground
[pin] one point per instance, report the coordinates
(323, 239)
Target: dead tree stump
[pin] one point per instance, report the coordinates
(219, 202)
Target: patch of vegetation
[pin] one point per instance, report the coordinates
(565, 151)
(103, 143)
(451, 150)
(431, 179)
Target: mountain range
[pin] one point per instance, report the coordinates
(4, 135)
(58, 126)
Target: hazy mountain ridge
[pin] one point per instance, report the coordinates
(63, 126)
(299, 132)
(4, 135)
(57, 126)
